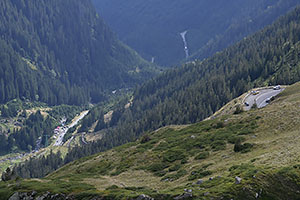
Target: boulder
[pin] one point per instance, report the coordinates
(238, 180)
(44, 196)
(199, 182)
(183, 196)
(15, 196)
(33, 195)
(206, 193)
(144, 197)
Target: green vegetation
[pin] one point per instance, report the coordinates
(193, 92)
(238, 147)
(11, 108)
(176, 157)
(198, 89)
(200, 173)
(254, 150)
(24, 138)
(23, 123)
(67, 111)
(69, 133)
(202, 155)
(41, 167)
(41, 61)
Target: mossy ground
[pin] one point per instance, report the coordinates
(175, 157)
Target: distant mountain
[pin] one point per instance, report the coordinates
(153, 27)
(62, 52)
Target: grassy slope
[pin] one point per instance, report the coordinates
(177, 156)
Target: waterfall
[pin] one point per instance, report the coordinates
(185, 44)
(152, 60)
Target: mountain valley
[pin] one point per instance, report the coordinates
(154, 28)
(83, 116)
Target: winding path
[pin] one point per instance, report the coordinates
(261, 98)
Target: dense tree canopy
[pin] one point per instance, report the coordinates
(62, 52)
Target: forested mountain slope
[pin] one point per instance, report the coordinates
(198, 89)
(194, 91)
(61, 51)
(153, 27)
(251, 155)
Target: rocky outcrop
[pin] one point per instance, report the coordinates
(8, 175)
(184, 196)
(199, 182)
(48, 196)
(144, 197)
(238, 180)
(34, 196)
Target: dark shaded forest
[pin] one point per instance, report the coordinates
(61, 52)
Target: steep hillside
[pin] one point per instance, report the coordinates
(153, 27)
(250, 155)
(198, 89)
(62, 52)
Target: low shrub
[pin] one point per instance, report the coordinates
(243, 148)
(112, 187)
(157, 167)
(238, 109)
(145, 138)
(173, 177)
(233, 139)
(199, 174)
(202, 155)
(173, 155)
(160, 173)
(218, 145)
(175, 167)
